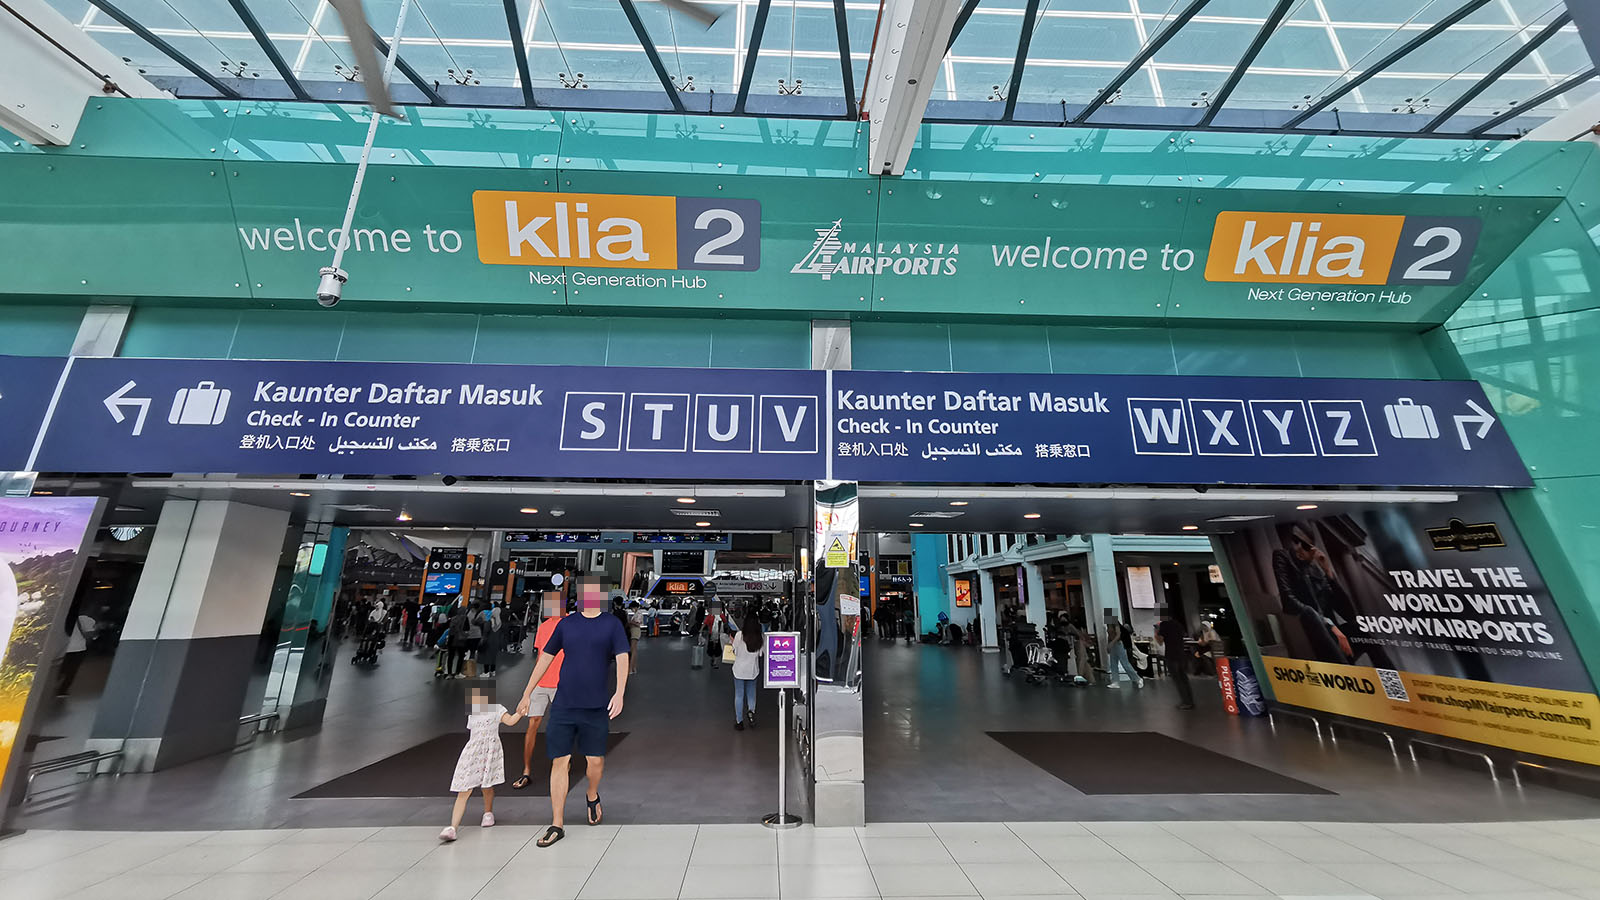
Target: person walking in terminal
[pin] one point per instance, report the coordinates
(1170, 635)
(483, 760)
(493, 638)
(544, 691)
(716, 627)
(1119, 640)
(747, 650)
(580, 714)
(635, 630)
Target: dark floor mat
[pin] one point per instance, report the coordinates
(1143, 762)
(424, 770)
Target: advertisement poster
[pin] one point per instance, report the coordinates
(42, 544)
(782, 659)
(963, 592)
(1431, 617)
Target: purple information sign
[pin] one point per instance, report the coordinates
(782, 660)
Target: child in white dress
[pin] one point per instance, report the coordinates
(483, 763)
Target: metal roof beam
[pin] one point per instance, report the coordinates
(1566, 125)
(650, 52)
(1268, 28)
(1030, 17)
(1506, 65)
(754, 50)
(270, 49)
(847, 75)
(907, 52)
(400, 63)
(961, 22)
(1399, 53)
(154, 40)
(519, 51)
(1149, 50)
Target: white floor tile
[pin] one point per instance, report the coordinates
(634, 882)
(337, 884)
(826, 882)
(136, 887)
(433, 884)
(1474, 878)
(300, 858)
(832, 851)
(988, 848)
(197, 860)
(896, 829)
(889, 851)
(1016, 878)
(1386, 879)
(238, 886)
(736, 882)
(1202, 878)
(1109, 878)
(1294, 877)
(1073, 848)
(535, 883)
(1322, 849)
(260, 837)
(1160, 847)
(922, 880)
(394, 856)
(719, 850)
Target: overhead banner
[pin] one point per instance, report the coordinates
(1157, 429)
(146, 415)
(1429, 617)
(42, 545)
(26, 385)
(254, 417)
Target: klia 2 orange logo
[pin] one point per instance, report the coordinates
(1340, 248)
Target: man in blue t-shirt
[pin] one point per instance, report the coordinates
(581, 713)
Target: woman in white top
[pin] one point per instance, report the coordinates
(747, 650)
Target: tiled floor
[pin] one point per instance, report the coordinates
(1552, 860)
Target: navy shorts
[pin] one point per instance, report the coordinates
(584, 731)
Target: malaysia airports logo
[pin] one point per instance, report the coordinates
(831, 255)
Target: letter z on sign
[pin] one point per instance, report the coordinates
(1339, 248)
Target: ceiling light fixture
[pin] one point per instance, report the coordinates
(298, 494)
(702, 524)
(686, 500)
(959, 502)
(916, 524)
(1030, 515)
(1306, 506)
(402, 518)
(528, 510)
(1191, 528)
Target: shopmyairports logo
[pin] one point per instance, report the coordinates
(621, 231)
(1341, 249)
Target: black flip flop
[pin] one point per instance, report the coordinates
(551, 835)
(521, 783)
(592, 805)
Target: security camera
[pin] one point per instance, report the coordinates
(448, 479)
(331, 285)
(558, 512)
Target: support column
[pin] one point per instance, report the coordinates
(988, 634)
(184, 663)
(839, 791)
(302, 664)
(1101, 583)
(1034, 579)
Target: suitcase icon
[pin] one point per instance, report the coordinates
(202, 404)
(1410, 421)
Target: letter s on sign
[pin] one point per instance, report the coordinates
(598, 425)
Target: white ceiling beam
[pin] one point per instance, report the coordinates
(907, 52)
(49, 68)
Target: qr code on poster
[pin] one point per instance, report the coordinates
(1393, 686)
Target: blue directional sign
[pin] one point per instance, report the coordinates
(26, 386)
(148, 415)
(1099, 429)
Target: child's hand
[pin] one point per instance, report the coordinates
(511, 718)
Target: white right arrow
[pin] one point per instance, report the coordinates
(120, 399)
(1484, 420)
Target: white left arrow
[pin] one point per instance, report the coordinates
(116, 402)
(1484, 420)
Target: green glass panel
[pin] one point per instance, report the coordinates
(175, 332)
(1090, 350)
(408, 337)
(773, 344)
(659, 342)
(430, 136)
(125, 227)
(1362, 354)
(288, 334)
(1555, 270)
(900, 347)
(1208, 351)
(39, 330)
(1540, 374)
(542, 340)
(1572, 508)
(172, 129)
(999, 348)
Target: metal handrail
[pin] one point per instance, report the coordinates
(1411, 746)
(90, 758)
(1276, 711)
